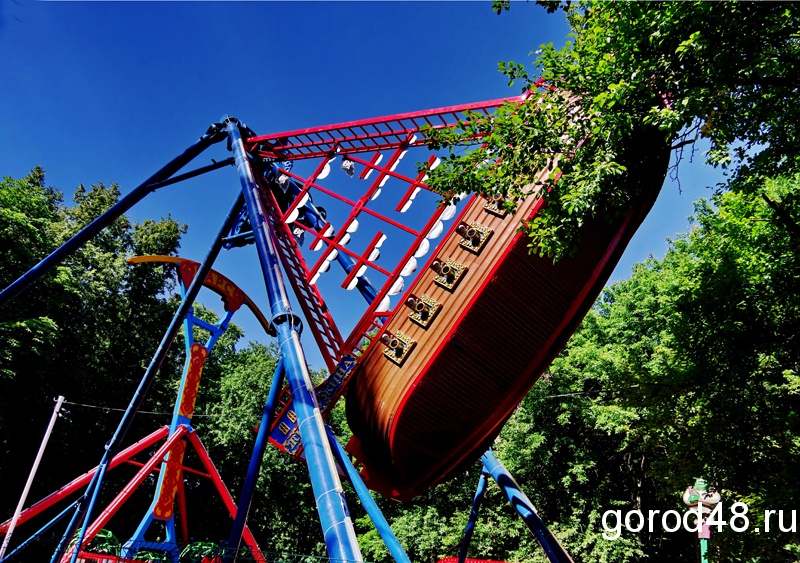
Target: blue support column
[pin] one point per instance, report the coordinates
(337, 527)
(381, 525)
(170, 543)
(213, 135)
(551, 546)
(473, 517)
(41, 531)
(249, 487)
(84, 510)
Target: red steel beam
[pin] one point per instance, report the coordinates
(128, 490)
(183, 520)
(84, 479)
(225, 494)
(365, 134)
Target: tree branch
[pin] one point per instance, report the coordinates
(783, 215)
(683, 144)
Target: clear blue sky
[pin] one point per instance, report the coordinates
(110, 91)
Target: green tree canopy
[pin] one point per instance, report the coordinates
(84, 332)
(636, 77)
(687, 369)
(88, 333)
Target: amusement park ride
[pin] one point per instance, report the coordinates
(460, 321)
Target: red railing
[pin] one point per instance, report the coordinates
(366, 135)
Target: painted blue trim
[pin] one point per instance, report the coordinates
(520, 502)
(89, 231)
(73, 523)
(170, 548)
(381, 525)
(101, 472)
(212, 328)
(473, 517)
(249, 487)
(129, 549)
(193, 173)
(340, 538)
(219, 330)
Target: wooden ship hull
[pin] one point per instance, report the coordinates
(423, 411)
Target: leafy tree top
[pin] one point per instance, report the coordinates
(636, 77)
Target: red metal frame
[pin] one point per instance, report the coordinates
(122, 497)
(225, 494)
(320, 321)
(183, 520)
(372, 317)
(365, 135)
(126, 492)
(301, 277)
(85, 556)
(396, 133)
(123, 457)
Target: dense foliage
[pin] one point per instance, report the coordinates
(687, 369)
(88, 325)
(635, 76)
(85, 332)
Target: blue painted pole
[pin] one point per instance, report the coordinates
(170, 544)
(215, 165)
(42, 530)
(175, 325)
(249, 487)
(146, 382)
(551, 546)
(337, 527)
(213, 135)
(473, 517)
(101, 472)
(80, 510)
(381, 525)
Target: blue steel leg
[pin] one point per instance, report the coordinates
(144, 385)
(473, 517)
(171, 541)
(42, 530)
(551, 546)
(340, 538)
(375, 514)
(235, 538)
(80, 510)
(130, 548)
(170, 545)
(28, 278)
